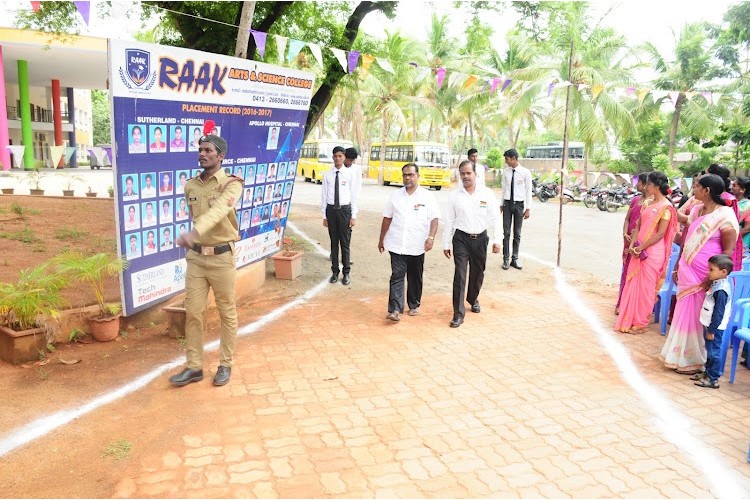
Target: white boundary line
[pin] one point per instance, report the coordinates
(673, 424)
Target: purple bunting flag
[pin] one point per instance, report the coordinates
(506, 84)
(495, 83)
(84, 9)
(440, 72)
(353, 59)
(260, 42)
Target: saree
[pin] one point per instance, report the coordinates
(644, 277)
(685, 347)
(743, 206)
(634, 214)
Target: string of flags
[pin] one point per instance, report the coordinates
(350, 61)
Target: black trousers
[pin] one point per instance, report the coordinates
(512, 216)
(341, 235)
(410, 267)
(471, 252)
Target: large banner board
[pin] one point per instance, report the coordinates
(161, 97)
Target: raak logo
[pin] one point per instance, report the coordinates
(138, 66)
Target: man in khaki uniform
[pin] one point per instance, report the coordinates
(210, 259)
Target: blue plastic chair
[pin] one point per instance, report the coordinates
(668, 289)
(738, 319)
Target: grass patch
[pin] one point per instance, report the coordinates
(21, 211)
(118, 450)
(25, 235)
(65, 233)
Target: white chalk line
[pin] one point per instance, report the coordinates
(673, 424)
(44, 425)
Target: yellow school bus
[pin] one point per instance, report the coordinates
(432, 158)
(316, 158)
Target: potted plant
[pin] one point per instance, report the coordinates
(111, 191)
(7, 190)
(24, 307)
(70, 181)
(288, 262)
(90, 193)
(35, 180)
(92, 270)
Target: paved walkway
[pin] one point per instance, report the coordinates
(521, 401)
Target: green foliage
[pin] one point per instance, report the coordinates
(76, 334)
(495, 158)
(621, 167)
(647, 142)
(100, 116)
(25, 235)
(660, 162)
(22, 211)
(117, 451)
(92, 270)
(64, 233)
(35, 296)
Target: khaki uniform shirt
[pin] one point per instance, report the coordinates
(212, 207)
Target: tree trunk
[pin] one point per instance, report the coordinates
(471, 131)
(586, 166)
(278, 10)
(413, 124)
(429, 133)
(383, 139)
(243, 32)
(511, 137)
(673, 128)
(518, 133)
(333, 70)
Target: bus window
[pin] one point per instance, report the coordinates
(375, 153)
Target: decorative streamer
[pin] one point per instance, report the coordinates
(630, 91)
(469, 82)
(18, 152)
(708, 97)
(582, 86)
(596, 90)
(495, 83)
(294, 47)
(385, 65)
(642, 95)
(626, 177)
(367, 61)
(506, 84)
(281, 45)
(674, 95)
(84, 8)
(440, 72)
(69, 150)
(56, 153)
(260, 42)
(422, 73)
(315, 49)
(550, 88)
(35, 6)
(340, 56)
(353, 59)
(689, 183)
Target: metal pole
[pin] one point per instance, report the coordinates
(564, 164)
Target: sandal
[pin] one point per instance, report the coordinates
(688, 372)
(708, 383)
(698, 376)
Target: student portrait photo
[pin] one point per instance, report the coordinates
(256, 217)
(250, 175)
(228, 170)
(132, 217)
(247, 199)
(157, 144)
(182, 178)
(258, 199)
(196, 172)
(276, 211)
(136, 141)
(167, 241)
(260, 173)
(177, 144)
(273, 138)
(245, 222)
(195, 141)
(288, 190)
(239, 171)
(129, 187)
(291, 170)
(148, 214)
(133, 250)
(149, 242)
(165, 183)
(165, 214)
(148, 188)
(281, 172)
(277, 191)
(271, 172)
(182, 211)
(284, 208)
(181, 230)
(269, 194)
(265, 214)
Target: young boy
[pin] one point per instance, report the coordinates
(714, 318)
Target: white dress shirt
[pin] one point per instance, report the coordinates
(522, 188)
(348, 189)
(411, 215)
(356, 170)
(472, 214)
(481, 172)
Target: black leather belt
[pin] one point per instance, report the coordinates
(471, 236)
(333, 207)
(212, 250)
(516, 202)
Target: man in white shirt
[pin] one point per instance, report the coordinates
(350, 157)
(410, 221)
(480, 169)
(148, 190)
(515, 206)
(338, 203)
(471, 211)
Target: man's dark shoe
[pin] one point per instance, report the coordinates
(222, 375)
(516, 264)
(334, 278)
(506, 266)
(475, 308)
(186, 377)
(456, 322)
(346, 280)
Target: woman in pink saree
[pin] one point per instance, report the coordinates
(631, 221)
(712, 229)
(650, 248)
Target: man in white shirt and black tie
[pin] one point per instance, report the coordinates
(471, 211)
(338, 203)
(480, 169)
(515, 206)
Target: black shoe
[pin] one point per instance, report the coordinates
(514, 263)
(506, 266)
(475, 308)
(334, 278)
(456, 322)
(346, 280)
(222, 375)
(186, 377)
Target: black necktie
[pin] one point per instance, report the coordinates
(512, 182)
(336, 203)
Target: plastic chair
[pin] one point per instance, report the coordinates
(738, 320)
(668, 289)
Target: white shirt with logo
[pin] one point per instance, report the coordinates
(411, 215)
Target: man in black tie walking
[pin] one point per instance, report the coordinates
(338, 204)
(515, 206)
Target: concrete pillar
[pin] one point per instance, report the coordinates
(4, 135)
(57, 117)
(27, 133)
(72, 118)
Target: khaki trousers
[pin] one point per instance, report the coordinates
(218, 273)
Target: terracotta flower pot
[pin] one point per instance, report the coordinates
(68, 192)
(19, 347)
(105, 329)
(288, 267)
(91, 195)
(37, 192)
(8, 190)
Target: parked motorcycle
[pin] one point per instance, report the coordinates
(575, 192)
(619, 197)
(589, 199)
(548, 190)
